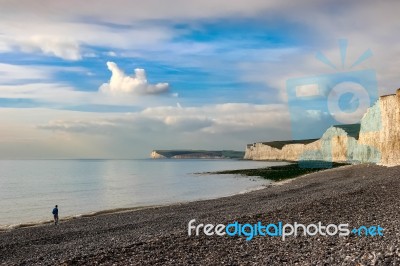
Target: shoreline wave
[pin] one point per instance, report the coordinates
(7, 227)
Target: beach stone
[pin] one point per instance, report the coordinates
(158, 236)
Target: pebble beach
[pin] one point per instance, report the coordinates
(358, 195)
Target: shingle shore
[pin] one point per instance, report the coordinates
(358, 195)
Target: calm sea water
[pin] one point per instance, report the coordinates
(29, 189)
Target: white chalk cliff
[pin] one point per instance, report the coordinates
(378, 140)
(156, 155)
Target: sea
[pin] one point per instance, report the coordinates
(29, 189)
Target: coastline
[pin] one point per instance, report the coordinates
(27, 207)
(24, 224)
(359, 194)
(241, 172)
(7, 228)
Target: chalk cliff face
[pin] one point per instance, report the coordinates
(378, 140)
(290, 152)
(155, 155)
(387, 139)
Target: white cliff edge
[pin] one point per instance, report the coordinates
(378, 140)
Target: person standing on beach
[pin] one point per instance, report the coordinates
(55, 214)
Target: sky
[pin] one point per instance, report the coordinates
(117, 79)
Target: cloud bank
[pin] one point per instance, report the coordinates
(136, 84)
(221, 126)
(250, 50)
(57, 46)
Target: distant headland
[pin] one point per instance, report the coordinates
(196, 154)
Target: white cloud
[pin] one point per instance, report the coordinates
(45, 92)
(131, 11)
(60, 95)
(12, 73)
(222, 126)
(71, 40)
(143, 29)
(137, 84)
(20, 137)
(36, 83)
(111, 53)
(221, 118)
(58, 46)
(23, 74)
(53, 133)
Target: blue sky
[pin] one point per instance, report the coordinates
(195, 75)
(209, 74)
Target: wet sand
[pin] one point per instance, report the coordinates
(358, 195)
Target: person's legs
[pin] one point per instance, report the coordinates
(55, 219)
